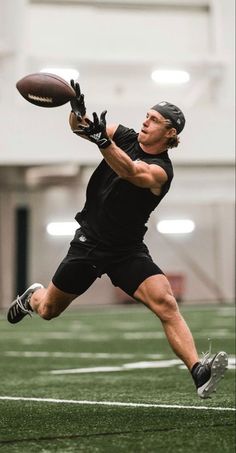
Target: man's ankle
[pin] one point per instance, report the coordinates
(194, 367)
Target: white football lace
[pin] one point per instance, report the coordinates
(206, 355)
(21, 306)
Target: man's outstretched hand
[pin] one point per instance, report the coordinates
(95, 131)
(77, 104)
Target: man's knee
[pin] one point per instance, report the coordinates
(52, 302)
(165, 306)
(156, 293)
(48, 311)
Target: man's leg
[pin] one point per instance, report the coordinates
(47, 302)
(75, 278)
(74, 275)
(50, 302)
(155, 292)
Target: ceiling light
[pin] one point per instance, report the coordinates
(170, 77)
(62, 228)
(182, 226)
(65, 73)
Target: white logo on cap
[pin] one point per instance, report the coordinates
(162, 103)
(179, 121)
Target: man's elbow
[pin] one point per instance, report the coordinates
(131, 177)
(127, 173)
(73, 122)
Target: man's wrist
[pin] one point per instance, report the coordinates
(104, 143)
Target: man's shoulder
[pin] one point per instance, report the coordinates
(124, 135)
(163, 160)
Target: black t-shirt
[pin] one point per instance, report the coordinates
(116, 211)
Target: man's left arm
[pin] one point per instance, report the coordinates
(138, 172)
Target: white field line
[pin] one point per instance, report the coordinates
(93, 355)
(106, 369)
(38, 338)
(113, 403)
(160, 335)
(129, 366)
(123, 367)
(80, 355)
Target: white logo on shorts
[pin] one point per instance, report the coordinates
(82, 238)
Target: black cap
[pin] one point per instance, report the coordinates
(172, 113)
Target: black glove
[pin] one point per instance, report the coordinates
(77, 103)
(96, 130)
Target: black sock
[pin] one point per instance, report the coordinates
(194, 367)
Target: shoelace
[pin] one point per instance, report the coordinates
(206, 355)
(21, 306)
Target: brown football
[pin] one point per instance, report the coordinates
(45, 90)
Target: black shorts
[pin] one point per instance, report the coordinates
(86, 260)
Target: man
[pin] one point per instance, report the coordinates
(133, 177)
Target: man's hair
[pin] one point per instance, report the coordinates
(174, 141)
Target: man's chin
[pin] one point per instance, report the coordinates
(141, 137)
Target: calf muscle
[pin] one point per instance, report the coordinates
(156, 294)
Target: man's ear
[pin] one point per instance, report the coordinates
(171, 132)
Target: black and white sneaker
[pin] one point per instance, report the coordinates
(21, 306)
(208, 373)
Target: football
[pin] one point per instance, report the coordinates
(45, 90)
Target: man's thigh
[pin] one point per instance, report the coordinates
(74, 277)
(78, 270)
(130, 273)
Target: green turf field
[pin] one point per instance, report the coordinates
(83, 365)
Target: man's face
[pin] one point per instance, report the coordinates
(153, 129)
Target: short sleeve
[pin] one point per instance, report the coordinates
(163, 163)
(124, 136)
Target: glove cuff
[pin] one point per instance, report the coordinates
(104, 143)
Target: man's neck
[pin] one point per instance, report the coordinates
(153, 149)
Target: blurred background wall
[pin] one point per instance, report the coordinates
(44, 168)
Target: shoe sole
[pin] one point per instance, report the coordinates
(218, 367)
